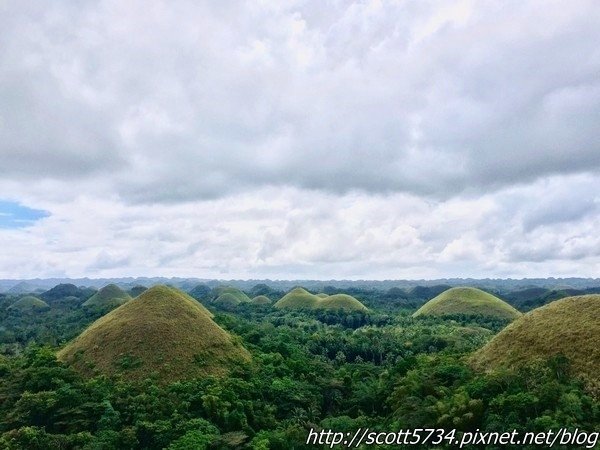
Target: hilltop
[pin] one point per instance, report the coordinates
(109, 296)
(227, 299)
(568, 327)
(164, 332)
(340, 301)
(261, 300)
(191, 299)
(467, 301)
(235, 292)
(200, 292)
(29, 304)
(300, 298)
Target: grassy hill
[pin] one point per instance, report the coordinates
(261, 300)
(568, 327)
(109, 296)
(297, 298)
(341, 301)
(162, 332)
(227, 299)
(201, 292)
(467, 301)
(300, 298)
(29, 304)
(222, 290)
(191, 299)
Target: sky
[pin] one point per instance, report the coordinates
(300, 139)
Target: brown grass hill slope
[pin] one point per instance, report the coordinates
(569, 327)
(467, 301)
(191, 299)
(109, 296)
(162, 332)
(297, 298)
(29, 304)
(340, 302)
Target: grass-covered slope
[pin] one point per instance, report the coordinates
(227, 299)
(109, 296)
(322, 295)
(300, 298)
(29, 304)
(261, 300)
(297, 298)
(467, 301)
(163, 332)
(341, 301)
(191, 299)
(235, 292)
(568, 327)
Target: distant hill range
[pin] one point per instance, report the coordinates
(24, 286)
(524, 294)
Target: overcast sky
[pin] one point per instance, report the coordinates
(300, 139)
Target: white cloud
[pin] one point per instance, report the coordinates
(292, 233)
(331, 139)
(381, 96)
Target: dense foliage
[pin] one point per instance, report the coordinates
(384, 370)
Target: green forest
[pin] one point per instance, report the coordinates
(220, 368)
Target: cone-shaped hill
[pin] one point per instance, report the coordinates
(300, 298)
(467, 301)
(235, 292)
(191, 299)
(109, 296)
(227, 299)
(568, 327)
(340, 301)
(178, 292)
(29, 304)
(261, 300)
(162, 331)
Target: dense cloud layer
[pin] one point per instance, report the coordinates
(383, 139)
(179, 101)
(292, 233)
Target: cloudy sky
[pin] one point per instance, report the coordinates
(300, 139)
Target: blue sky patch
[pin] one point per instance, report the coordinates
(14, 215)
